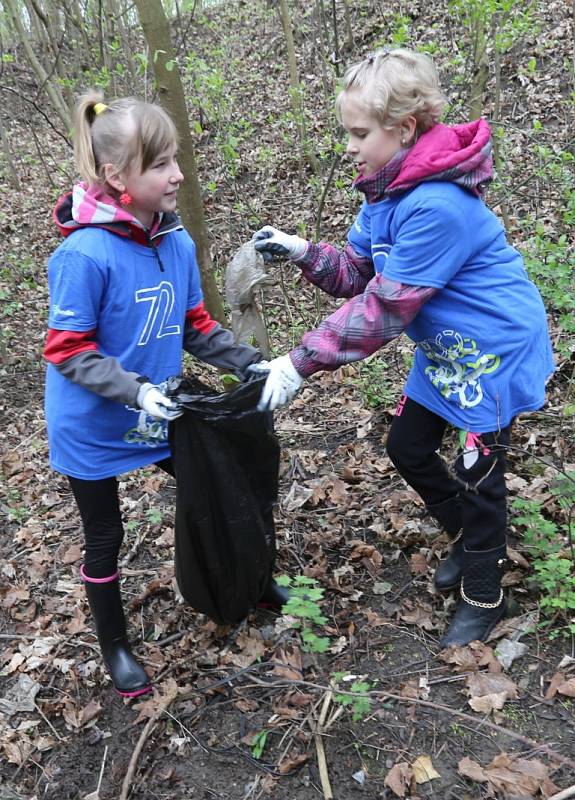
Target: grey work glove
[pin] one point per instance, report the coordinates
(271, 242)
(156, 404)
(282, 383)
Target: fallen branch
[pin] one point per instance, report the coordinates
(166, 701)
(504, 731)
(565, 794)
(437, 707)
(95, 795)
(321, 759)
(172, 693)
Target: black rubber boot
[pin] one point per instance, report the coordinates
(448, 573)
(482, 603)
(128, 677)
(274, 597)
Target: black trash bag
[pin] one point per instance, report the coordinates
(226, 460)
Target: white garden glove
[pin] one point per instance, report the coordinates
(282, 382)
(272, 242)
(156, 404)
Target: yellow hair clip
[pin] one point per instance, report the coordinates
(99, 108)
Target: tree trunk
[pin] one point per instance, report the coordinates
(348, 25)
(50, 20)
(480, 67)
(73, 13)
(50, 86)
(126, 49)
(171, 94)
(322, 57)
(335, 38)
(496, 116)
(295, 88)
(36, 29)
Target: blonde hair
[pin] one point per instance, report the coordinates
(123, 132)
(396, 84)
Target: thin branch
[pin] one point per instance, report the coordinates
(38, 109)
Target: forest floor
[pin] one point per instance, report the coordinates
(244, 712)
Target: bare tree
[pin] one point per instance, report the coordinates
(171, 94)
(295, 86)
(480, 66)
(348, 25)
(48, 82)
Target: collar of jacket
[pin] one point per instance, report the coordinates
(459, 154)
(113, 218)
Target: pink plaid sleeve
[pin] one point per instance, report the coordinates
(340, 273)
(361, 326)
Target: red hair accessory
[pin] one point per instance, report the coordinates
(126, 199)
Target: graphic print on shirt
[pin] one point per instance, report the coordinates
(379, 254)
(148, 431)
(458, 365)
(161, 299)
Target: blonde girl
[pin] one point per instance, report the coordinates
(425, 255)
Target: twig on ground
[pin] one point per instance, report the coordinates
(166, 701)
(565, 794)
(48, 723)
(96, 794)
(171, 638)
(437, 707)
(320, 750)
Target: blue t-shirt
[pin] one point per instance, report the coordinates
(99, 280)
(483, 351)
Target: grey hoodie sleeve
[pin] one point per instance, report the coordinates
(217, 347)
(105, 376)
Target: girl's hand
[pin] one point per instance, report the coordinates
(272, 242)
(158, 405)
(282, 383)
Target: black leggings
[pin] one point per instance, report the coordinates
(414, 438)
(99, 507)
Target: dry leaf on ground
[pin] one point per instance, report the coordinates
(511, 776)
(292, 762)
(423, 770)
(297, 497)
(288, 664)
(471, 657)
(78, 717)
(418, 564)
(399, 778)
(251, 646)
(489, 692)
(20, 696)
(418, 613)
(559, 684)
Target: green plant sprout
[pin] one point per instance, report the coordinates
(154, 516)
(356, 696)
(303, 604)
(374, 383)
(259, 743)
(547, 543)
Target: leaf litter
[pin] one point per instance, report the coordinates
(345, 518)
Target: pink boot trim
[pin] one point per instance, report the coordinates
(98, 580)
(136, 693)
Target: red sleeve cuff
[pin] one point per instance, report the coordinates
(62, 345)
(200, 320)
